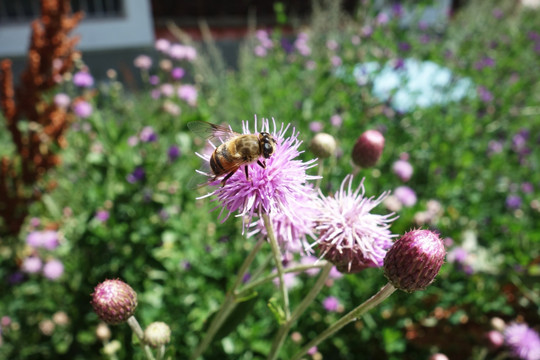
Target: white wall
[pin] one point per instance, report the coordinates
(134, 29)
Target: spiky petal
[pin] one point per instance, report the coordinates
(350, 236)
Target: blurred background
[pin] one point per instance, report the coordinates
(96, 158)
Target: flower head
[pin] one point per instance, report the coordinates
(53, 269)
(275, 189)
(83, 79)
(83, 109)
(32, 264)
(114, 301)
(157, 333)
(350, 236)
(331, 304)
(523, 341)
(368, 148)
(403, 169)
(414, 260)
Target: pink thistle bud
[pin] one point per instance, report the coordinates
(414, 260)
(368, 148)
(114, 301)
(157, 333)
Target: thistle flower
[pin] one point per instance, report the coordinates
(414, 260)
(523, 341)
(32, 264)
(403, 169)
(368, 148)
(276, 189)
(53, 269)
(114, 301)
(83, 79)
(350, 236)
(331, 304)
(157, 333)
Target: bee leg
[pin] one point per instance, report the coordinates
(262, 164)
(227, 177)
(246, 171)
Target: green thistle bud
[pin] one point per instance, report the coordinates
(157, 333)
(368, 148)
(323, 145)
(414, 260)
(114, 301)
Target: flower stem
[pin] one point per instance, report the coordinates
(284, 329)
(241, 292)
(279, 265)
(353, 315)
(320, 170)
(134, 325)
(228, 304)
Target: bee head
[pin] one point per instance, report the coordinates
(267, 143)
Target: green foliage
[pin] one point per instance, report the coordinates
(181, 260)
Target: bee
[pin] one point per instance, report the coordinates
(236, 150)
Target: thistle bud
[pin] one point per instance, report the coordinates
(323, 145)
(368, 148)
(114, 301)
(414, 260)
(157, 333)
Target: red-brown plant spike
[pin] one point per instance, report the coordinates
(51, 55)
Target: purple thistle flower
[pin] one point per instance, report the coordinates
(102, 215)
(137, 175)
(485, 94)
(274, 190)
(53, 269)
(62, 100)
(148, 134)
(82, 109)
(173, 153)
(513, 202)
(114, 301)
(143, 62)
(47, 239)
(31, 264)
(405, 195)
(188, 93)
(331, 304)
(83, 79)
(177, 73)
(403, 169)
(523, 341)
(350, 236)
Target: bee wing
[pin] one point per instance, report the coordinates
(211, 131)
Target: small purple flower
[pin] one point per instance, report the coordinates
(133, 141)
(114, 301)
(137, 175)
(162, 45)
(495, 338)
(82, 109)
(53, 269)
(102, 215)
(497, 13)
(83, 79)
(260, 51)
(310, 260)
(485, 94)
(523, 341)
(350, 236)
(335, 61)
(405, 195)
(188, 93)
(62, 100)
(148, 135)
(336, 120)
(331, 304)
(182, 52)
(316, 126)
(332, 45)
(495, 147)
(290, 280)
(382, 18)
(173, 153)
(153, 79)
(404, 46)
(47, 239)
(513, 202)
(143, 62)
(273, 190)
(167, 90)
(32, 264)
(457, 255)
(403, 169)
(177, 73)
(527, 187)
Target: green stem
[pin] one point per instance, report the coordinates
(134, 325)
(285, 328)
(299, 268)
(279, 265)
(320, 170)
(228, 304)
(161, 352)
(370, 303)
